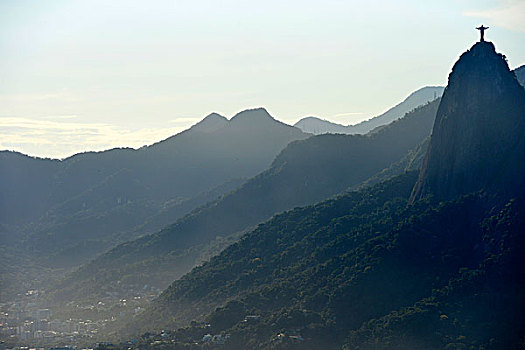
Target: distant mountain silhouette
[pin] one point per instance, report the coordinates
(520, 74)
(305, 172)
(477, 142)
(318, 126)
(211, 123)
(50, 208)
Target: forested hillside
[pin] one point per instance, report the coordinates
(364, 269)
(435, 263)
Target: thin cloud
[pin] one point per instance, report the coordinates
(61, 117)
(36, 97)
(60, 139)
(509, 15)
(347, 114)
(184, 120)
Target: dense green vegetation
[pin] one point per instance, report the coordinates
(363, 269)
(481, 307)
(281, 248)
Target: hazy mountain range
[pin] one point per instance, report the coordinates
(318, 126)
(304, 172)
(60, 213)
(89, 202)
(428, 261)
(324, 241)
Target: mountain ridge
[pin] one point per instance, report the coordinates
(486, 150)
(305, 172)
(417, 98)
(50, 206)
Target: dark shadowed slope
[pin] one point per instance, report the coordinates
(363, 269)
(477, 141)
(24, 177)
(520, 74)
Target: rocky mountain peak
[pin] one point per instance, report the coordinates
(257, 115)
(211, 123)
(478, 136)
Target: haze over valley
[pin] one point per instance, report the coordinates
(368, 215)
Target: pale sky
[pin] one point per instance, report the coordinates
(96, 74)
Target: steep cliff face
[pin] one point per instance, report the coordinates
(478, 139)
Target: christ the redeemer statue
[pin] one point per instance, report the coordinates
(482, 32)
